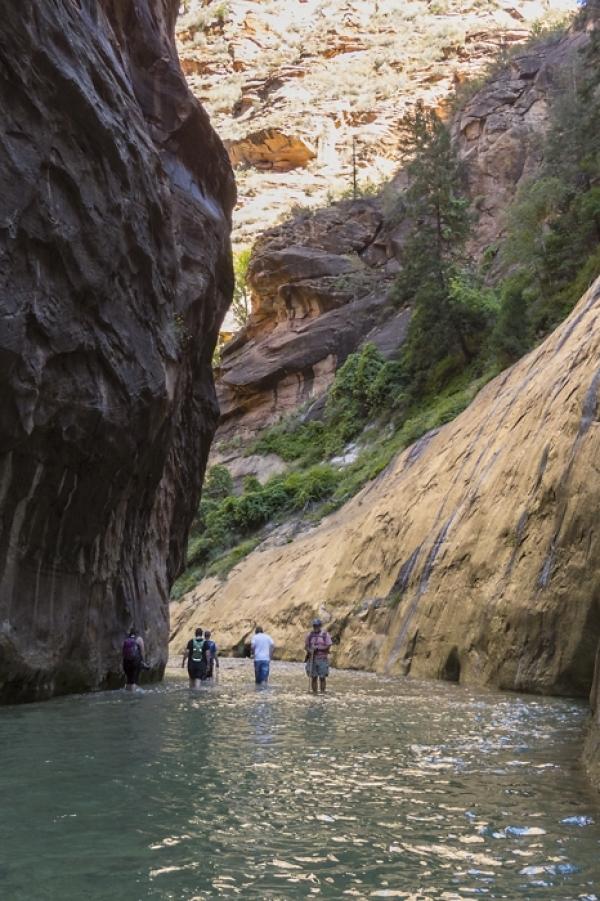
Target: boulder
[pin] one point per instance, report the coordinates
(270, 148)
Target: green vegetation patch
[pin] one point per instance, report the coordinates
(229, 526)
(364, 387)
(226, 526)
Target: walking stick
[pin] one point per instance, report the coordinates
(310, 666)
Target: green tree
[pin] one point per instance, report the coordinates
(446, 323)
(240, 306)
(511, 337)
(553, 228)
(218, 483)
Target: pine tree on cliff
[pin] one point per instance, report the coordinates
(446, 316)
(552, 247)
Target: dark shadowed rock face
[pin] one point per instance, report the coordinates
(115, 198)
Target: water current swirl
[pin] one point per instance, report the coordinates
(384, 788)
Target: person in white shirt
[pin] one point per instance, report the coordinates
(261, 648)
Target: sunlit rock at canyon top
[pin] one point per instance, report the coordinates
(115, 202)
(295, 89)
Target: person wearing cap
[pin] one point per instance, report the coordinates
(317, 645)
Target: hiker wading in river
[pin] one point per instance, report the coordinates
(261, 648)
(196, 659)
(133, 659)
(317, 645)
(211, 653)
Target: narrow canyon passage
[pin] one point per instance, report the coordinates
(383, 788)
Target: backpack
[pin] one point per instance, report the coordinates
(131, 649)
(197, 649)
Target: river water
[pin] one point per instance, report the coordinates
(383, 788)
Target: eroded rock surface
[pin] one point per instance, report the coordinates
(320, 281)
(270, 148)
(319, 290)
(498, 133)
(115, 201)
(336, 76)
(472, 558)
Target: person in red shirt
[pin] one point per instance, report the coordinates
(317, 645)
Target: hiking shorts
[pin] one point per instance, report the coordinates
(320, 668)
(196, 669)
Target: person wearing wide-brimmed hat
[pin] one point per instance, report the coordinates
(317, 645)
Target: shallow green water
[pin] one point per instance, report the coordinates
(383, 788)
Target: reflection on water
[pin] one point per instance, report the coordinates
(382, 789)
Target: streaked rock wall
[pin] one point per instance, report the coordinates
(115, 272)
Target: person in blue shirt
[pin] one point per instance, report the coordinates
(212, 655)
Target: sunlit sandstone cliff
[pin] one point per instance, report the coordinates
(115, 201)
(471, 558)
(300, 90)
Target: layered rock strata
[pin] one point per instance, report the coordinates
(318, 291)
(472, 558)
(115, 201)
(334, 79)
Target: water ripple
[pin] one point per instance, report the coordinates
(383, 789)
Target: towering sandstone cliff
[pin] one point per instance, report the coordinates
(320, 281)
(115, 201)
(471, 558)
(300, 90)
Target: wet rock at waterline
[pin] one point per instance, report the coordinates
(592, 748)
(115, 200)
(472, 558)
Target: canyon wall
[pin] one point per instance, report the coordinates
(592, 745)
(115, 202)
(301, 92)
(471, 558)
(321, 281)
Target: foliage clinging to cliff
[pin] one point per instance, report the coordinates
(553, 238)
(240, 306)
(550, 253)
(450, 312)
(364, 387)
